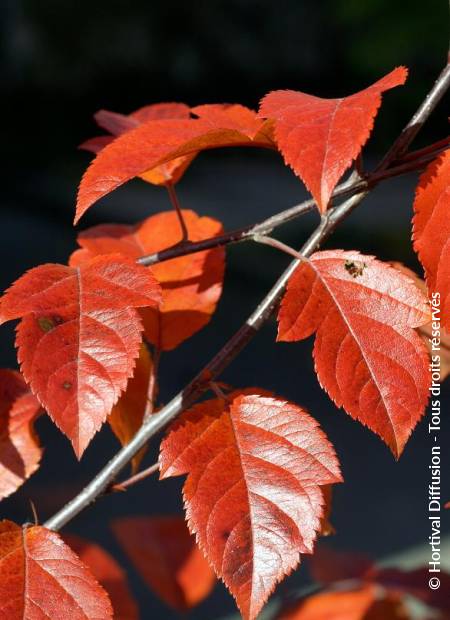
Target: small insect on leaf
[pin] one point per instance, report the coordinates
(354, 269)
(368, 356)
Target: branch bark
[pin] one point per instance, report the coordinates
(414, 161)
(105, 478)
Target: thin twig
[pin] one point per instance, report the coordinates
(278, 245)
(411, 130)
(176, 205)
(129, 482)
(234, 346)
(265, 227)
(152, 389)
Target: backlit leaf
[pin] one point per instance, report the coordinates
(154, 143)
(367, 355)
(191, 285)
(167, 558)
(127, 415)
(431, 231)
(20, 453)
(320, 138)
(253, 495)
(41, 577)
(79, 336)
(117, 124)
(108, 573)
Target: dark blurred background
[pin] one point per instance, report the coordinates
(63, 60)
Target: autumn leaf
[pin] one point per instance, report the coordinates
(365, 603)
(255, 466)
(426, 331)
(167, 558)
(156, 142)
(431, 231)
(108, 573)
(320, 138)
(118, 124)
(79, 337)
(367, 355)
(191, 284)
(128, 413)
(20, 452)
(41, 577)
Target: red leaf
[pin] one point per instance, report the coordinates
(327, 565)
(167, 558)
(108, 573)
(426, 331)
(320, 138)
(117, 124)
(20, 453)
(127, 415)
(156, 142)
(367, 355)
(365, 603)
(191, 285)
(79, 337)
(255, 467)
(40, 577)
(431, 230)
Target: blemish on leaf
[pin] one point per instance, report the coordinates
(46, 323)
(355, 269)
(67, 385)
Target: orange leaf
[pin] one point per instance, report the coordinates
(79, 336)
(128, 413)
(41, 577)
(320, 138)
(108, 573)
(362, 604)
(367, 355)
(156, 142)
(431, 231)
(20, 453)
(255, 466)
(117, 124)
(167, 558)
(426, 331)
(191, 285)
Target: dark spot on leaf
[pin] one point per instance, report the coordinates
(67, 385)
(46, 323)
(225, 535)
(355, 269)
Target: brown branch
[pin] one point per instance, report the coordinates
(129, 482)
(105, 478)
(265, 227)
